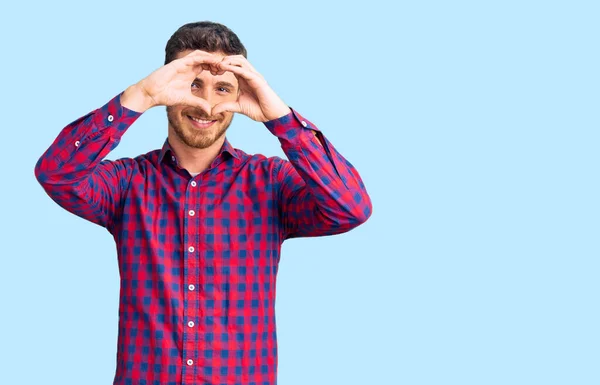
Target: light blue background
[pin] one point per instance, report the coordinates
(474, 125)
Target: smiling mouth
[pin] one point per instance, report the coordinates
(201, 123)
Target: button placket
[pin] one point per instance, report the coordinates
(193, 292)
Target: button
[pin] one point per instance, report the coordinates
(77, 144)
(304, 123)
(110, 118)
(191, 249)
(192, 212)
(190, 362)
(191, 324)
(193, 183)
(191, 287)
(173, 158)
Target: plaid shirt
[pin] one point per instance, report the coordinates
(198, 256)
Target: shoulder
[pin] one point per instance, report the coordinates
(260, 162)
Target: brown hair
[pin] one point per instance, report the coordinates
(206, 36)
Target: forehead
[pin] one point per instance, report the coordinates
(189, 51)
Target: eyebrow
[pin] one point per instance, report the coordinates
(218, 84)
(225, 84)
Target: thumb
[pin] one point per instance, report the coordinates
(225, 107)
(194, 101)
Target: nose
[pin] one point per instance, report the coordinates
(206, 94)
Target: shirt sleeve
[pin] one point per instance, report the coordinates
(320, 192)
(72, 170)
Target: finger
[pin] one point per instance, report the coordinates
(192, 72)
(225, 107)
(198, 68)
(208, 67)
(240, 71)
(240, 61)
(195, 68)
(200, 58)
(214, 70)
(194, 101)
(193, 57)
(218, 70)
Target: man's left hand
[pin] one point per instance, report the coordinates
(255, 98)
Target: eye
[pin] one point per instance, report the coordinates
(194, 84)
(223, 89)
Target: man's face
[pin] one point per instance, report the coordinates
(193, 126)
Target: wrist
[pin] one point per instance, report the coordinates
(136, 99)
(279, 112)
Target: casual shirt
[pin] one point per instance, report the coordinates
(198, 256)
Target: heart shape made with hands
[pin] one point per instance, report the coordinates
(255, 98)
(246, 102)
(173, 84)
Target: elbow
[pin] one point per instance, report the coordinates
(46, 174)
(40, 171)
(362, 210)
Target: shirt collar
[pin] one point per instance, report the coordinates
(167, 151)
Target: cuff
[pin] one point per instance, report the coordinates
(114, 115)
(291, 127)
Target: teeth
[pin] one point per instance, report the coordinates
(200, 120)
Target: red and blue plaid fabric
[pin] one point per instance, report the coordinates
(198, 256)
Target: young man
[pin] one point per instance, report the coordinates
(199, 224)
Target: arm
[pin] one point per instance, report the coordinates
(72, 171)
(320, 192)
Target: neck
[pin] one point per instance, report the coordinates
(194, 160)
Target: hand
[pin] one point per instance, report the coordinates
(255, 99)
(170, 84)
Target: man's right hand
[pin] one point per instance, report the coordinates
(171, 84)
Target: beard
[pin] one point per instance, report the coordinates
(194, 137)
